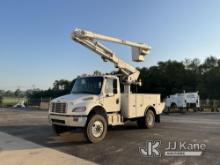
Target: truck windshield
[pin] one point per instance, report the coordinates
(92, 85)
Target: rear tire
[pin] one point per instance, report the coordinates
(174, 108)
(96, 128)
(148, 121)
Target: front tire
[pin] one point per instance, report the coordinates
(96, 128)
(148, 121)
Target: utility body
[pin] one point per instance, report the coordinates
(96, 101)
(183, 101)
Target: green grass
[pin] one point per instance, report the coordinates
(9, 101)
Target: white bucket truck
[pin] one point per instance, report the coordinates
(183, 101)
(96, 101)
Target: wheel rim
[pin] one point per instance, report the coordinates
(150, 119)
(97, 129)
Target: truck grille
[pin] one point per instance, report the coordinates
(59, 107)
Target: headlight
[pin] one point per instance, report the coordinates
(79, 109)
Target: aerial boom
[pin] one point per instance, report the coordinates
(139, 50)
(91, 35)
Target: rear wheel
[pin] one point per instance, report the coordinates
(96, 128)
(173, 108)
(147, 121)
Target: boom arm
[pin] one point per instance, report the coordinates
(139, 50)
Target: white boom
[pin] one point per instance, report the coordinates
(139, 50)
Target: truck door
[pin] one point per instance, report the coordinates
(111, 95)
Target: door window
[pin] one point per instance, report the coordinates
(111, 86)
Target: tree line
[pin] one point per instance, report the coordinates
(167, 78)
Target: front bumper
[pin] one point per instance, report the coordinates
(68, 120)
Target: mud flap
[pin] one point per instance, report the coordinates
(157, 118)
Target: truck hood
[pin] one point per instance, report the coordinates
(75, 98)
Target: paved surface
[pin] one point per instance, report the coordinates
(16, 151)
(122, 143)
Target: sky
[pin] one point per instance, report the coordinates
(36, 48)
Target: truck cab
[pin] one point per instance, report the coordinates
(87, 93)
(90, 95)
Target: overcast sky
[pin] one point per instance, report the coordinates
(36, 48)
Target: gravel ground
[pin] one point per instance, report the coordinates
(121, 145)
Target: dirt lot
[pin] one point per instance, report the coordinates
(122, 143)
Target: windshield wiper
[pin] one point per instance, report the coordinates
(85, 92)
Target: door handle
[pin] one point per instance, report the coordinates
(117, 100)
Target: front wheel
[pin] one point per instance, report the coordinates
(96, 128)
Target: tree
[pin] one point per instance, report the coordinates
(210, 62)
(2, 92)
(1, 99)
(60, 87)
(61, 84)
(166, 77)
(98, 73)
(17, 93)
(210, 78)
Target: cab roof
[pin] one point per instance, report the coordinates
(104, 75)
